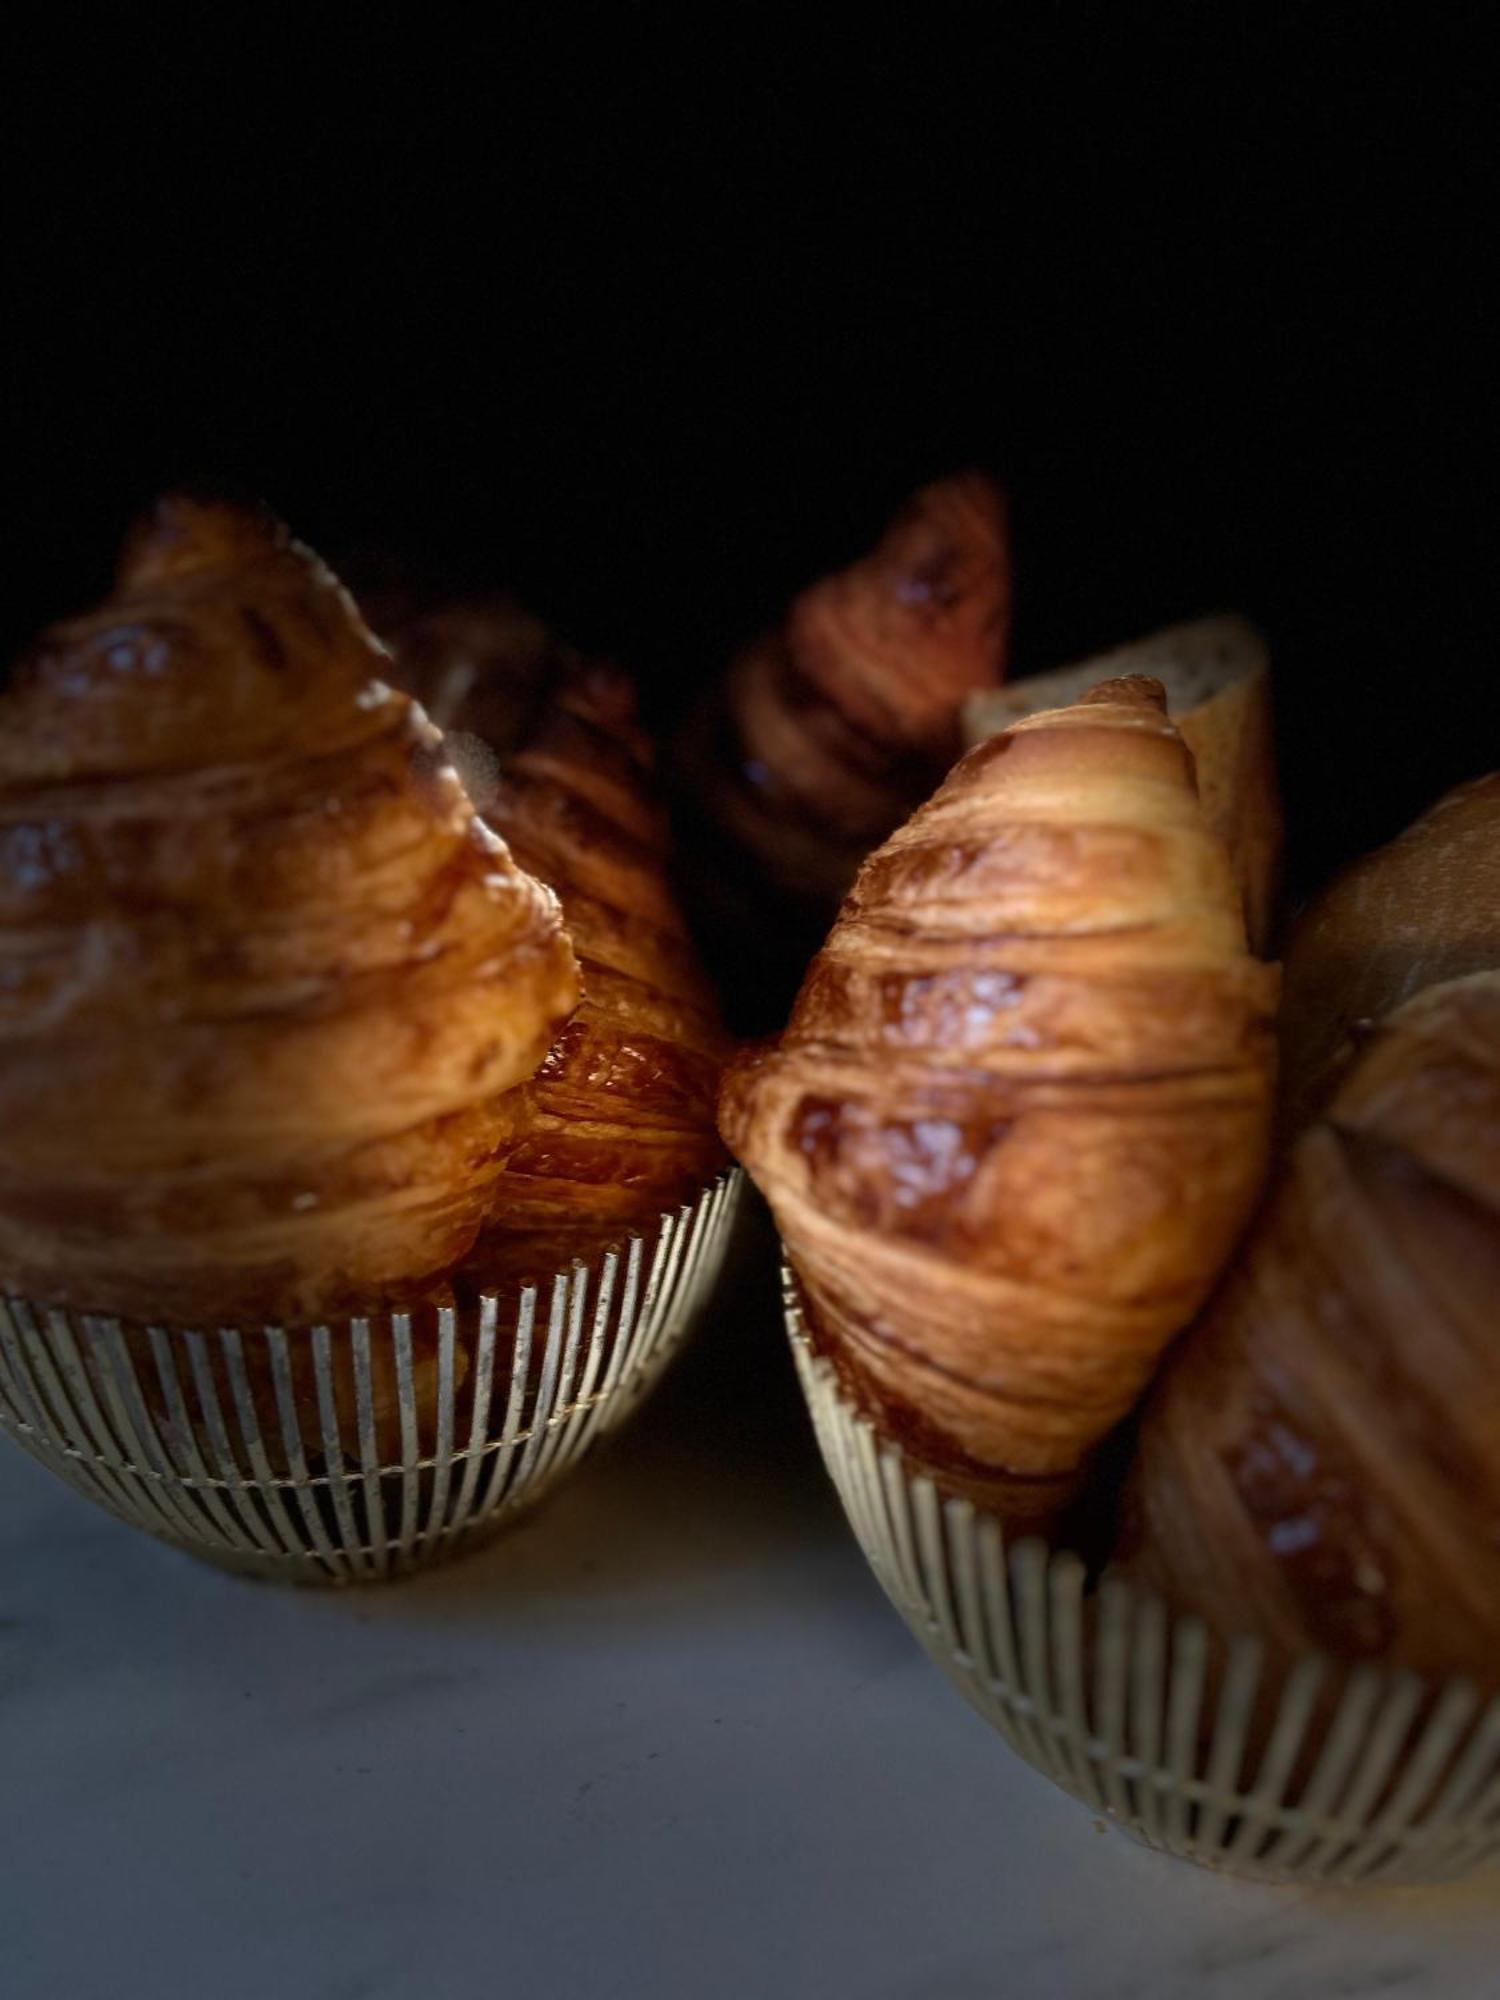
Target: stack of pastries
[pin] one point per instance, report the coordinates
(340, 976)
(1068, 1240)
(290, 1031)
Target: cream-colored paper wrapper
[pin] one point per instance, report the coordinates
(1116, 1702)
(354, 1451)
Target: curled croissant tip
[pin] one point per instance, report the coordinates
(1128, 691)
(187, 533)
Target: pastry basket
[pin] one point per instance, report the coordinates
(1115, 1701)
(264, 1450)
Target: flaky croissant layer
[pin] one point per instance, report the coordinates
(1423, 909)
(1321, 1463)
(1019, 1114)
(837, 723)
(617, 1126)
(266, 981)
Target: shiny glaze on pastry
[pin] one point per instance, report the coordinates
(1020, 1113)
(266, 981)
(619, 1120)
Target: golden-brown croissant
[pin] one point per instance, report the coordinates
(1217, 675)
(266, 981)
(829, 730)
(1019, 1115)
(619, 1124)
(1320, 1465)
(1422, 909)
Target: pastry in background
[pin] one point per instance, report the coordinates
(1424, 908)
(482, 666)
(1217, 676)
(827, 731)
(267, 983)
(618, 1123)
(1320, 1465)
(1020, 1114)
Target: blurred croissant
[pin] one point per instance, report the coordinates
(829, 730)
(268, 982)
(1321, 1464)
(619, 1124)
(1020, 1113)
(1424, 908)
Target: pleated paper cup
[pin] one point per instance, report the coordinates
(357, 1450)
(1156, 1723)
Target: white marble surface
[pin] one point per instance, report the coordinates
(666, 1740)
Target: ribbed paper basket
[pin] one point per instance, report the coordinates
(269, 1452)
(1114, 1700)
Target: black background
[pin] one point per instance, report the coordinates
(654, 329)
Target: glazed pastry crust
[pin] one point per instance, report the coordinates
(1020, 1113)
(266, 981)
(618, 1123)
(1217, 676)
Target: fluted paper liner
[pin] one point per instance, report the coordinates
(1112, 1698)
(165, 1430)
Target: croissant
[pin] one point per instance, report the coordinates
(828, 731)
(268, 982)
(619, 1121)
(1321, 1463)
(1020, 1113)
(1424, 908)
(1217, 674)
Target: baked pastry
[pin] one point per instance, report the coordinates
(1320, 1465)
(1217, 676)
(826, 732)
(1020, 1113)
(268, 982)
(1424, 908)
(483, 668)
(619, 1124)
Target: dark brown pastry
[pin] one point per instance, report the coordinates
(831, 728)
(1422, 909)
(1320, 1465)
(1217, 675)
